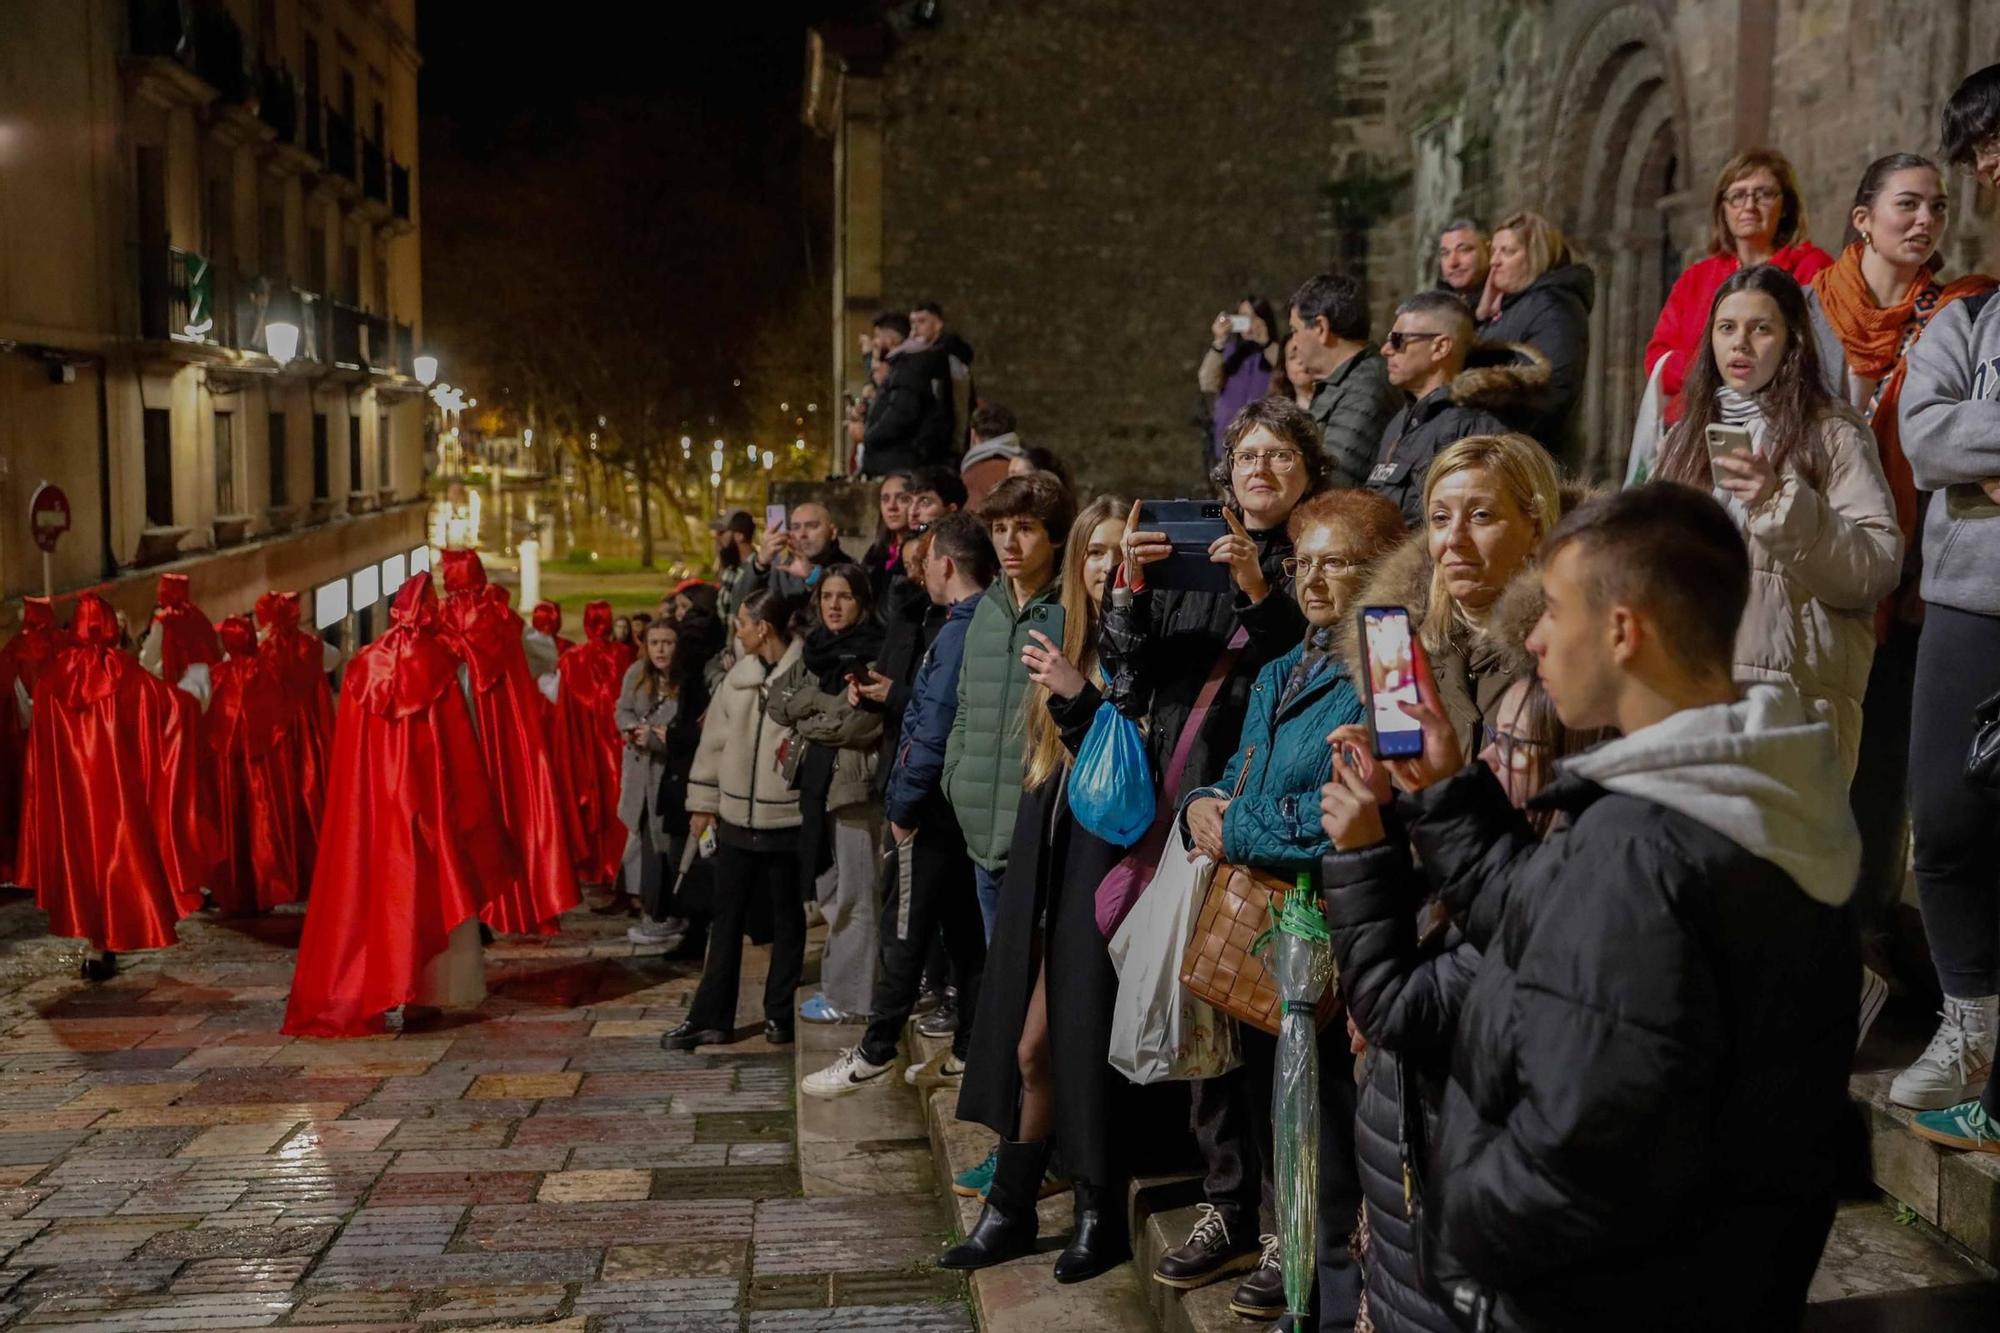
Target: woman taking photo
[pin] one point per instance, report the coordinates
(659, 716)
(1236, 368)
(738, 790)
(1538, 294)
(1469, 579)
(1757, 216)
(1036, 1074)
(831, 762)
(1807, 492)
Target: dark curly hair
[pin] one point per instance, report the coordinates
(1291, 424)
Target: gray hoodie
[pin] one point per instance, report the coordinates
(1758, 772)
(1951, 434)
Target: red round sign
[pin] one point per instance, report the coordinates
(48, 515)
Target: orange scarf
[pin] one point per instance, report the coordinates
(1874, 338)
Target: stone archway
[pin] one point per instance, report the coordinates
(1617, 154)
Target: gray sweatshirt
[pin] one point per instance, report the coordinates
(1951, 435)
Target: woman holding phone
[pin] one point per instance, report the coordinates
(659, 707)
(1800, 474)
(831, 761)
(1036, 1073)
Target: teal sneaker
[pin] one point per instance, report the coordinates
(1966, 1127)
(974, 1181)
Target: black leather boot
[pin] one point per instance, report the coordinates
(1007, 1224)
(1101, 1240)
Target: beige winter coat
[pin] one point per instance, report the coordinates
(738, 773)
(1819, 562)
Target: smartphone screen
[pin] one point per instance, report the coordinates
(774, 518)
(1723, 439)
(1392, 681)
(1240, 323)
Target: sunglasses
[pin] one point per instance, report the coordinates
(1398, 340)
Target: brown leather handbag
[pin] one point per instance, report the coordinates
(1218, 965)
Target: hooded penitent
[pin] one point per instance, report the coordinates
(298, 659)
(22, 662)
(257, 803)
(588, 750)
(187, 637)
(508, 714)
(112, 842)
(411, 846)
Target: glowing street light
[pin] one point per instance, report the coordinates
(426, 365)
(770, 460)
(753, 452)
(282, 341)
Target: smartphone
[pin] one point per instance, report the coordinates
(1192, 527)
(1050, 619)
(1240, 323)
(1724, 440)
(774, 518)
(853, 667)
(1390, 681)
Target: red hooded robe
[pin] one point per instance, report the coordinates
(588, 749)
(509, 713)
(411, 844)
(306, 739)
(111, 842)
(257, 799)
(187, 636)
(22, 662)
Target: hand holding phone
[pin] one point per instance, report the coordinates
(1411, 734)
(1239, 323)
(1722, 440)
(1736, 467)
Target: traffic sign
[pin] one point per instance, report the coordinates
(48, 515)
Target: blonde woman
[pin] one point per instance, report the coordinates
(1469, 577)
(1539, 294)
(1036, 1073)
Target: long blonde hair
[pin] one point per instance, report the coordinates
(1525, 472)
(1045, 754)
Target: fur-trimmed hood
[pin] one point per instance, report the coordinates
(1501, 377)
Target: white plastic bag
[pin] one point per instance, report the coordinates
(1160, 1032)
(1649, 428)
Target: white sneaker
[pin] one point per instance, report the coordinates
(942, 1068)
(850, 1073)
(655, 932)
(1874, 992)
(1954, 1066)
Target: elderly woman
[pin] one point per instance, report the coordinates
(1469, 578)
(1539, 294)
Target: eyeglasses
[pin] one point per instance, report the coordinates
(1517, 753)
(1762, 194)
(1332, 566)
(1278, 460)
(1398, 339)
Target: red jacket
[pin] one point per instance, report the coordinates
(1684, 318)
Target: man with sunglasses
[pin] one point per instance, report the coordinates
(1426, 353)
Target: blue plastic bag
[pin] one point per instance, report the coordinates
(1111, 787)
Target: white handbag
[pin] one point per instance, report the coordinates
(1159, 1031)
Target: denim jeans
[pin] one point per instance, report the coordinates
(987, 883)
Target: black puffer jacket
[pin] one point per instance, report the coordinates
(1647, 1109)
(911, 421)
(1404, 990)
(1157, 648)
(1496, 380)
(1553, 316)
(910, 620)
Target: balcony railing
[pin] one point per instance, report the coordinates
(177, 296)
(278, 103)
(399, 190)
(374, 171)
(347, 335)
(406, 350)
(339, 144)
(306, 310)
(157, 30)
(315, 126)
(375, 346)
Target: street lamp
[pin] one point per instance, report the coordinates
(426, 365)
(281, 340)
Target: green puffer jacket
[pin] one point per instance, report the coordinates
(982, 760)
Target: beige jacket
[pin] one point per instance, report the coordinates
(739, 774)
(1819, 562)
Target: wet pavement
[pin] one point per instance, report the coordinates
(170, 1161)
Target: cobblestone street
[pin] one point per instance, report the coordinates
(170, 1161)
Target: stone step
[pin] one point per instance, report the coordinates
(1956, 1192)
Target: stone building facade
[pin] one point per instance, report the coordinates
(1084, 186)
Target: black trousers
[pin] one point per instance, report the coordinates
(1957, 858)
(741, 875)
(1879, 795)
(929, 891)
(1232, 1124)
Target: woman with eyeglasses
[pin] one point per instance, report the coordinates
(1404, 971)
(1469, 578)
(1758, 216)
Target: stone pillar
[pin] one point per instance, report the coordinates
(857, 242)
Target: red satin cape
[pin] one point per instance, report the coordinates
(258, 803)
(588, 751)
(411, 844)
(510, 715)
(111, 839)
(22, 660)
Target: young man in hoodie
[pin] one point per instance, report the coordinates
(930, 876)
(1647, 1110)
(1951, 435)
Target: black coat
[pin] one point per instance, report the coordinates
(1158, 649)
(1496, 380)
(910, 620)
(911, 421)
(1647, 1110)
(1553, 317)
(1047, 920)
(1404, 994)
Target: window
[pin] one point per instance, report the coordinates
(350, 275)
(316, 260)
(274, 444)
(322, 483)
(158, 428)
(225, 463)
(271, 244)
(347, 97)
(379, 119)
(353, 452)
(384, 477)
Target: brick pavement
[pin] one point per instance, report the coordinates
(170, 1161)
